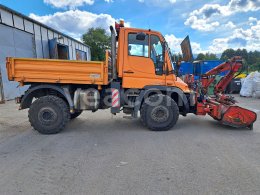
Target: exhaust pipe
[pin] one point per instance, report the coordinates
(113, 52)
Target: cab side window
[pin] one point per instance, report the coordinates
(157, 54)
(138, 47)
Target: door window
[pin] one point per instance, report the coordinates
(137, 47)
(157, 54)
(63, 52)
(81, 55)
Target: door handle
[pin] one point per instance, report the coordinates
(128, 72)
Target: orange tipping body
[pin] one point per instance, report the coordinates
(26, 70)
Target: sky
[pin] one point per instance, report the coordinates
(213, 26)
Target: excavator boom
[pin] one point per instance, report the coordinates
(223, 107)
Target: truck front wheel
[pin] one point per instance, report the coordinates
(159, 113)
(49, 114)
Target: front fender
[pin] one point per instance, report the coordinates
(161, 89)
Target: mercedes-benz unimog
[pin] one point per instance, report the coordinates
(137, 76)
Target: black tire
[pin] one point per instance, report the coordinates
(75, 115)
(49, 114)
(162, 116)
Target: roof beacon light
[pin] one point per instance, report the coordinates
(122, 23)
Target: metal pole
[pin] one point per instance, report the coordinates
(113, 52)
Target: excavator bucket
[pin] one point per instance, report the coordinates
(236, 116)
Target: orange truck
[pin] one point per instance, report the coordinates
(137, 76)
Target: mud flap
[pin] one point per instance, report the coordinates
(115, 97)
(236, 116)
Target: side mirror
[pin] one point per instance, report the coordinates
(141, 36)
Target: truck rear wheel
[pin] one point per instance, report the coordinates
(49, 114)
(159, 116)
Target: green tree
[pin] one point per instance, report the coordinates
(227, 54)
(200, 56)
(251, 59)
(254, 61)
(207, 56)
(243, 53)
(98, 41)
(177, 57)
(210, 56)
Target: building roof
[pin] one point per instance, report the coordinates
(39, 23)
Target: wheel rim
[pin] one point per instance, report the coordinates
(160, 114)
(47, 116)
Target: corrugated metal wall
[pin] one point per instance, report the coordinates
(16, 43)
(42, 34)
(21, 36)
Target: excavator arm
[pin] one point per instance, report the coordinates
(223, 107)
(231, 67)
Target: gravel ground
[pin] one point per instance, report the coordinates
(101, 154)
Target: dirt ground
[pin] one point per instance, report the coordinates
(101, 154)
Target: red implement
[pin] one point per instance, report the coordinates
(236, 116)
(223, 107)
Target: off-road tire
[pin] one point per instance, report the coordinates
(170, 109)
(49, 114)
(75, 115)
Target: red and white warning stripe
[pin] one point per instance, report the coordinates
(115, 98)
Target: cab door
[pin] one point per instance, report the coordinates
(143, 60)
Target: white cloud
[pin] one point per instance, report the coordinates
(241, 38)
(252, 21)
(174, 44)
(248, 38)
(158, 2)
(219, 45)
(201, 24)
(76, 22)
(243, 5)
(205, 18)
(68, 3)
(230, 25)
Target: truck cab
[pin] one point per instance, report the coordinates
(143, 59)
